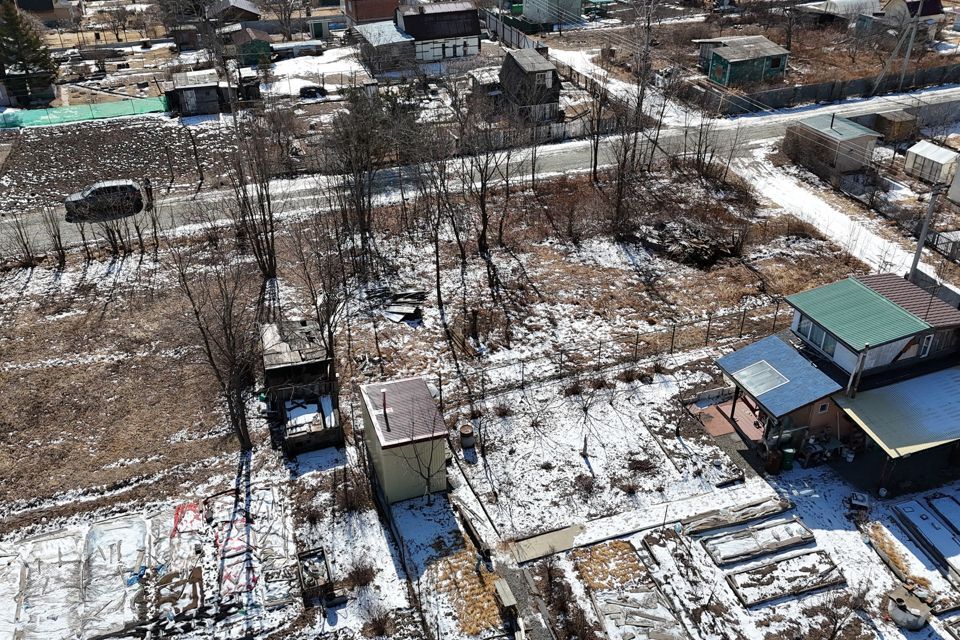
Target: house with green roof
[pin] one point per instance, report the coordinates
(872, 325)
(870, 365)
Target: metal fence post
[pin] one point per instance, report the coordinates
(743, 318)
(636, 345)
(673, 336)
(706, 340)
(775, 314)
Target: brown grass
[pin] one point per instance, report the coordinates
(609, 565)
(104, 397)
(470, 589)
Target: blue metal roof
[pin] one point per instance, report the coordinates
(777, 376)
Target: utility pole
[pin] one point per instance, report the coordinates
(922, 240)
(906, 58)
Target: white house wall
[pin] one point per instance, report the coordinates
(433, 50)
(844, 358)
(884, 355)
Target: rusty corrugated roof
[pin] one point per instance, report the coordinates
(913, 299)
(411, 413)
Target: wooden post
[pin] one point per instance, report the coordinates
(775, 314)
(636, 345)
(673, 336)
(440, 390)
(706, 340)
(743, 318)
(560, 366)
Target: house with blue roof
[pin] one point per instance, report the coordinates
(871, 363)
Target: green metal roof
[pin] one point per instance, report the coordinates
(856, 314)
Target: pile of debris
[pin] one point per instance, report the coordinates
(405, 305)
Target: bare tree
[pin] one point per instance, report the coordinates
(223, 308)
(117, 19)
(52, 228)
(284, 10)
(320, 266)
(23, 240)
(357, 145)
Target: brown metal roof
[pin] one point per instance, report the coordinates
(912, 298)
(411, 414)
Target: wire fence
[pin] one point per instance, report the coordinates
(624, 349)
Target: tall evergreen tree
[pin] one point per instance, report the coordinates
(25, 63)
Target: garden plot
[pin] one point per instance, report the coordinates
(625, 600)
(911, 566)
(333, 511)
(735, 515)
(932, 534)
(703, 598)
(786, 577)
(754, 542)
(130, 573)
(454, 585)
(563, 453)
(50, 163)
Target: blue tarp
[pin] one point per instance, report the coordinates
(777, 376)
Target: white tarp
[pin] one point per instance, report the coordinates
(115, 558)
(51, 589)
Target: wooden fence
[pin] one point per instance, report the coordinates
(510, 36)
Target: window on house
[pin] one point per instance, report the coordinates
(829, 344)
(823, 407)
(775, 63)
(816, 335)
(804, 327)
(925, 347)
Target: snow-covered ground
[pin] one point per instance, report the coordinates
(856, 233)
(674, 114)
(334, 69)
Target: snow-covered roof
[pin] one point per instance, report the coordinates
(933, 152)
(195, 78)
(382, 33)
(909, 416)
(837, 128)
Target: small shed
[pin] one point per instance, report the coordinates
(186, 36)
(383, 46)
(405, 438)
(931, 163)
(300, 383)
(896, 126)
(195, 93)
(250, 46)
(829, 145)
(740, 60)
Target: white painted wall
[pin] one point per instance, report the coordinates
(434, 50)
(402, 471)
